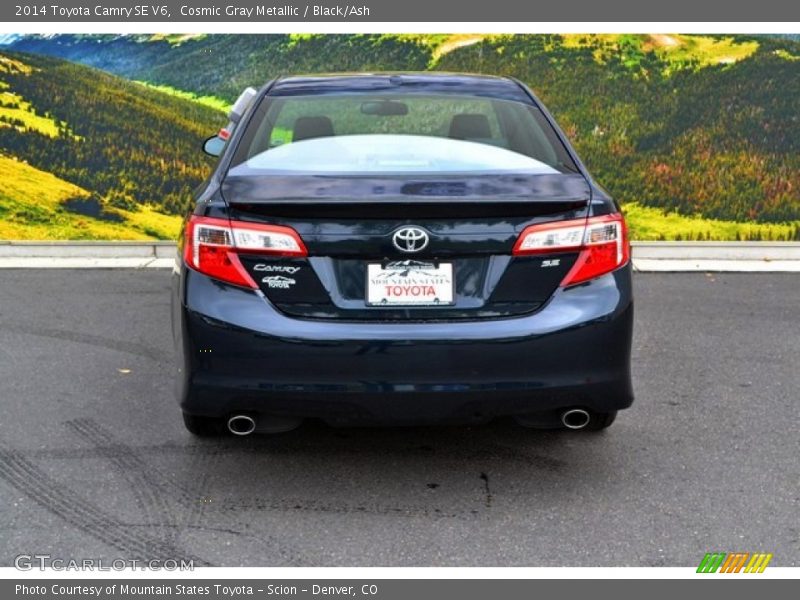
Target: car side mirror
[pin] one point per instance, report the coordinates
(214, 145)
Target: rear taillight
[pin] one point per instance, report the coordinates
(602, 242)
(211, 246)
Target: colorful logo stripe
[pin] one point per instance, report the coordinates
(758, 563)
(711, 562)
(734, 562)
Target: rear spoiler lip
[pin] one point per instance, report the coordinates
(410, 200)
(332, 190)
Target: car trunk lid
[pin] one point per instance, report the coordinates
(350, 226)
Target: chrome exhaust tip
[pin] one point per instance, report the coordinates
(241, 425)
(575, 418)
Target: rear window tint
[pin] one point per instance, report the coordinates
(513, 126)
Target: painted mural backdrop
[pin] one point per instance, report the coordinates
(697, 136)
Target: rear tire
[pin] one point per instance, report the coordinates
(203, 426)
(600, 421)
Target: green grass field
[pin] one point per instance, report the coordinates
(33, 206)
(653, 224)
(210, 101)
(16, 111)
(678, 51)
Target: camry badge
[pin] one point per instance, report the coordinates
(410, 239)
(276, 268)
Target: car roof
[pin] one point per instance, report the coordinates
(404, 83)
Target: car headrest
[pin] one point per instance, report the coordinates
(306, 128)
(468, 126)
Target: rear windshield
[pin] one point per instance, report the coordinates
(376, 133)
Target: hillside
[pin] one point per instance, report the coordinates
(223, 65)
(36, 205)
(717, 140)
(695, 124)
(126, 144)
(698, 136)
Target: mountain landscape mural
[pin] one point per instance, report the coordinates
(697, 136)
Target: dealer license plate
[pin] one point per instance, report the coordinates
(410, 283)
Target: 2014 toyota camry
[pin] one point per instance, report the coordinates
(409, 248)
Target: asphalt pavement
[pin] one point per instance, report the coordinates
(95, 462)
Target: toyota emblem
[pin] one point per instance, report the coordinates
(410, 239)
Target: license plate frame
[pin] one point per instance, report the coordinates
(408, 284)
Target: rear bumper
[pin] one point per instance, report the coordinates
(238, 353)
